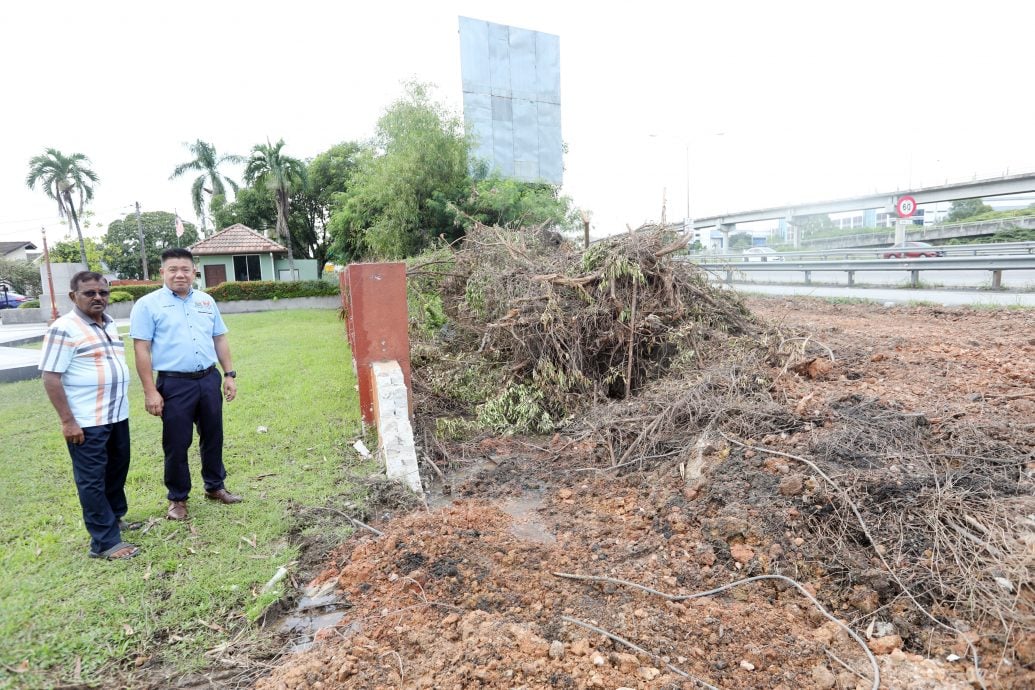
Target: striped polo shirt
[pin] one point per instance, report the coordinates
(92, 362)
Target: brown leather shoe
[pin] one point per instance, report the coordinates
(223, 496)
(177, 510)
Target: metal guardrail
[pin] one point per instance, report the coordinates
(995, 264)
(985, 249)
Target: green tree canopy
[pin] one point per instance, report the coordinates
(327, 176)
(962, 209)
(63, 177)
(68, 251)
(406, 187)
(740, 240)
(252, 206)
(498, 201)
(121, 244)
(23, 276)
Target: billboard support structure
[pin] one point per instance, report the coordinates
(512, 99)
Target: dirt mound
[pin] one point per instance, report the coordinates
(880, 458)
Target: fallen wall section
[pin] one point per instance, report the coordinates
(394, 432)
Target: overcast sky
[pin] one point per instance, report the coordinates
(774, 102)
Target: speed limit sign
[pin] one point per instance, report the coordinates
(905, 207)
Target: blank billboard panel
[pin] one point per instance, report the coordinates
(512, 99)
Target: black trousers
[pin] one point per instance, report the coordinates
(100, 465)
(190, 403)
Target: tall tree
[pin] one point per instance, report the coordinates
(62, 176)
(121, 244)
(327, 176)
(281, 174)
(404, 193)
(206, 161)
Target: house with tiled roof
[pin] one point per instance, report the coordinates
(18, 251)
(238, 253)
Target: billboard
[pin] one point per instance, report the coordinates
(512, 98)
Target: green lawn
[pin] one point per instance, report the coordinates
(195, 585)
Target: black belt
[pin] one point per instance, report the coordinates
(188, 374)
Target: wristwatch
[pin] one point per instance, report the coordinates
(230, 374)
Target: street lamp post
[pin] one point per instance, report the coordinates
(687, 224)
(50, 279)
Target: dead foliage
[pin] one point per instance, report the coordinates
(949, 507)
(575, 327)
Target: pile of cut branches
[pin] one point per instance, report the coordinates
(555, 329)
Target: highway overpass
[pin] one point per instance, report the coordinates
(886, 201)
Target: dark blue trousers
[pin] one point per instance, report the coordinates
(190, 403)
(100, 465)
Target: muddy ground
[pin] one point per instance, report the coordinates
(465, 593)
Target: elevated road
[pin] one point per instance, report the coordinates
(1000, 186)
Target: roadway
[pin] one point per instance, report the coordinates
(946, 297)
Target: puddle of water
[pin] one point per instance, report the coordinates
(310, 625)
(319, 608)
(524, 509)
(306, 603)
(443, 493)
(527, 524)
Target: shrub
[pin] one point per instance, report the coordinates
(134, 291)
(269, 289)
(120, 296)
(30, 304)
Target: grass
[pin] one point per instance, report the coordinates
(850, 300)
(195, 584)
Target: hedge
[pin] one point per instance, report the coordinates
(136, 291)
(269, 289)
(119, 296)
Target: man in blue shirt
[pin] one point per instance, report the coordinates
(177, 331)
(86, 378)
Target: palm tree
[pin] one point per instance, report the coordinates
(280, 174)
(60, 176)
(207, 163)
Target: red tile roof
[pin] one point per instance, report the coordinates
(237, 239)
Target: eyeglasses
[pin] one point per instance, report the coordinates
(95, 293)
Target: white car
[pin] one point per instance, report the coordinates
(761, 254)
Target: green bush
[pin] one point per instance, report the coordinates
(120, 296)
(269, 289)
(135, 291)
(30, 304)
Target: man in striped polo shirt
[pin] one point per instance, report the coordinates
(87, 380)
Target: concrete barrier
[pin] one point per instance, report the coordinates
(252, 305)
(10, 316)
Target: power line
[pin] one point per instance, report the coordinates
(51, 218)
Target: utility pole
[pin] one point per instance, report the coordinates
(143, 251)
(50, 278)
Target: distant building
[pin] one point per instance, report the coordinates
(19, 251)
(238, 254)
